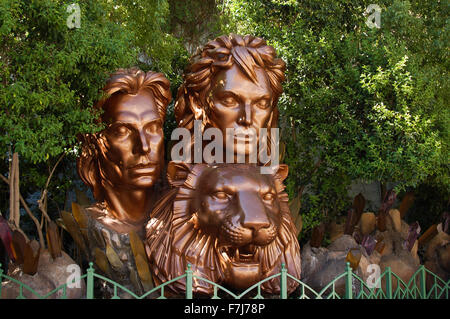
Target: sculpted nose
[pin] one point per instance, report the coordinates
(143, 144)
(245, 118)
(253, 212)
(256, 225)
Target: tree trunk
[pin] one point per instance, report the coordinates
(14, 204)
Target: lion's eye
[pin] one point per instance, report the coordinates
(268, 197)
(221, 195)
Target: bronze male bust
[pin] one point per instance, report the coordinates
(122, 163)
(234, 82)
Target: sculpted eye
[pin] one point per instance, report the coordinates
(121, 130)
(268, 197)
(229, 101)
(263, 103)
(221, 195)
(152, 128)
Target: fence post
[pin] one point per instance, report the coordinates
(283, 281)
(422, 279)
(90, 282)
(388, 283)
(189, 282)
(348, 282)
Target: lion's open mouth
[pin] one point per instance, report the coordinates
(244, 254)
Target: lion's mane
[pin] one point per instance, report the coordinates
(173, 240)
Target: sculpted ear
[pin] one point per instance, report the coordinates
(177, 172)
(281, 172)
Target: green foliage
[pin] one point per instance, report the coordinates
(50, 75)
(359, 103)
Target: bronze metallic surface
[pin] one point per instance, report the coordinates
(122, 163)
(229, 221)
(233, 82)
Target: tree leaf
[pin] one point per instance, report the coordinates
(18, 245)
(82, 198)
(113, 258)
(140, 258)
(32, 252)
(101, 260)
(359, 202)
(406, 204)
(79, 215)
(53, 240)
(74, 230)
(6, 237)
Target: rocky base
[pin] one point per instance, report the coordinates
(51, 274)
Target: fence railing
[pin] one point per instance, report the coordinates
(387, 286)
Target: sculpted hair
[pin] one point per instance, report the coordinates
(123, 81)
(131, 81)
(247, 52)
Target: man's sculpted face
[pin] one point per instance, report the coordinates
(134, 141)
(237, 102)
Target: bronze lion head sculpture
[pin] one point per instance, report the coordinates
(231, 223)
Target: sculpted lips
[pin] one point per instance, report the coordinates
(244, 136)
(143, 168)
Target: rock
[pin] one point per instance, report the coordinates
(311, 260)
(414, 250)
(321, 265)
(39, 283)
(403, 265)
(404, 229)
(51, 274)
(59, 271)
(327, 272)
(343, 243)
(364, 264)
(443, 254)
(440, 239)
(395, 220)
(375, 257)
(437, 257)
(367, 223)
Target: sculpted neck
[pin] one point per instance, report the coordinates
(129, 205)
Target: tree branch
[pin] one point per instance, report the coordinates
(28, 210)
(42, 202)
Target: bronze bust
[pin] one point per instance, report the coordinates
(234, 82)
(122, 163)
(230, 222)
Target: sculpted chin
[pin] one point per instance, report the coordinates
(230, 222)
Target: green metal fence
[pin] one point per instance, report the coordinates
(390, 286)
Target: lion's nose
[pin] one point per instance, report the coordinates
(256, 225)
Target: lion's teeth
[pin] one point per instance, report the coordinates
(237, 254)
